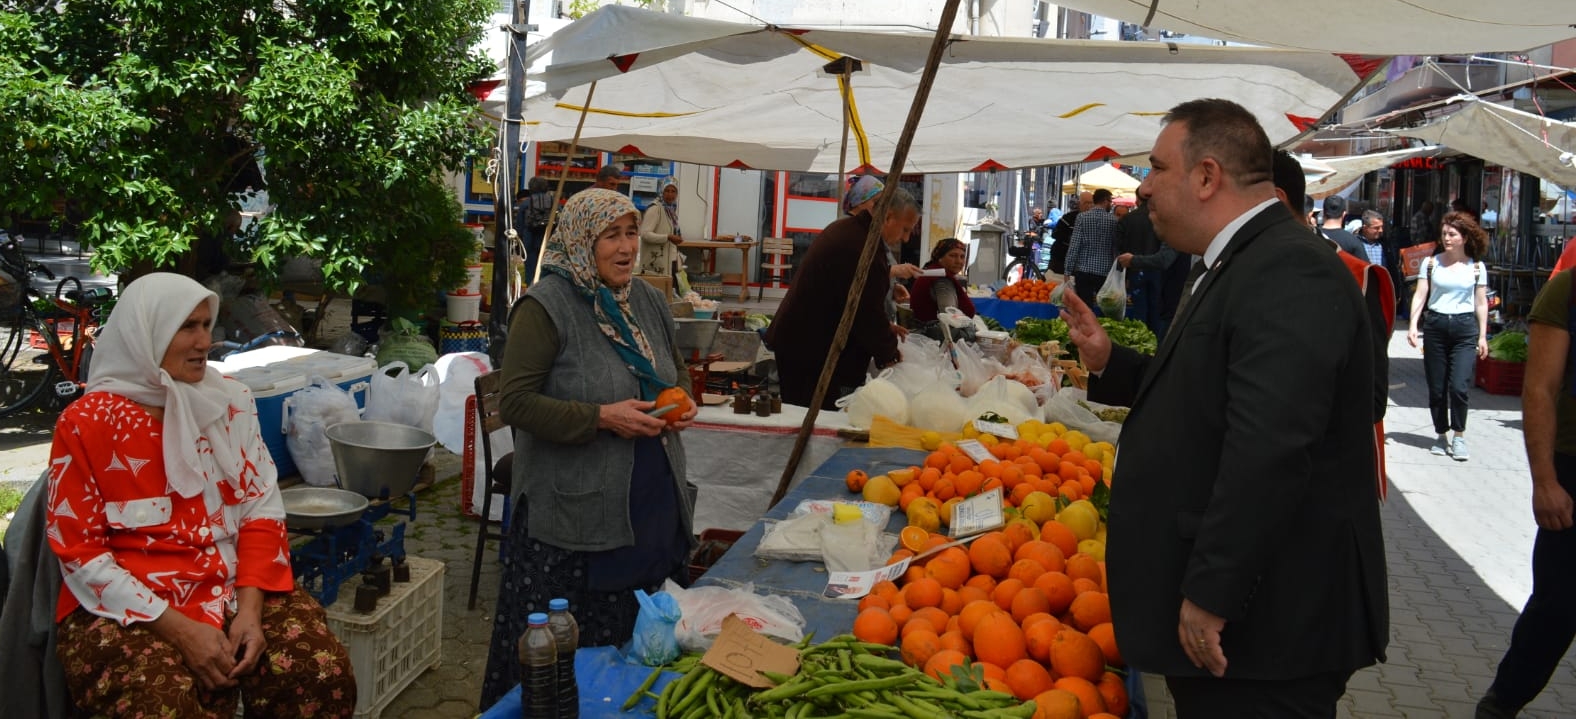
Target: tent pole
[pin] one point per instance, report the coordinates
(873, 243)
(509, 170)
(842, 152)
(563, 174)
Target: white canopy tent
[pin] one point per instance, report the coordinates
(756, 96)
(1505, 136)
(1376, 27)
(1105, 177)
(1346, 170)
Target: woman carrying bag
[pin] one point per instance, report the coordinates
(1452, 301)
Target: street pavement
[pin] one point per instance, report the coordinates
(1458, 538)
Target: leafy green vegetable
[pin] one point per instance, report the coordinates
(1034, 331)
(1508, 346)
(1133, 334)
(992, 324)
(1128, 333)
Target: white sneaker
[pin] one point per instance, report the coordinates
(1441, 447)
(1458, 449)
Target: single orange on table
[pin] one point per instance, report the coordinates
(680, 400)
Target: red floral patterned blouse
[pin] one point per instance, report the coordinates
(129, 546)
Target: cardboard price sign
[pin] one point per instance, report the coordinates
(742, 653)
(853, 585)
(975, 450)
(978, 513)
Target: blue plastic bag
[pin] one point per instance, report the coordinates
(654, 643)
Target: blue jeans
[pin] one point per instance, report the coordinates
(1449, 358)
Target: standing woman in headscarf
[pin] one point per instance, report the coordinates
(860, 199)
(601, 504)
(660, 236)
(166, 517)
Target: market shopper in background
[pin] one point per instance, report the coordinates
(608, 177)
(932, 295)
(1245, 552)
(1450, 314)
(166, 516)
(532, 211)
(602, 507)
(1547, 623)
(1135, 236)
(801, 332)
(1333, 228)
(1062, 232)
(1093, 247)
(660, 238)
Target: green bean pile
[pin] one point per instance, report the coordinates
(843, 677)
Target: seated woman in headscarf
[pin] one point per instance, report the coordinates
(660, 236)
(169, 527)
(602, 507)
(931, 295)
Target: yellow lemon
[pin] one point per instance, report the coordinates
(989, 440)
(1076, 440)
(930, 440)
(1057, 427)
(1092, 451)
(1083, 518)
(1094, 548)
(882, 490)
(925, 512)
(1038, 507)
(1100, 534)
(970, 431)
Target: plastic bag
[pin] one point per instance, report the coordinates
(457, 375)
(308, 413)
(924, 364)
(938, 407)
(402, 397)
(975, 367)
(704, 608)
(1007, 398)
(1025, 365)
(654, 643)
(878, 396)
(1064, 407)
(1112, 297)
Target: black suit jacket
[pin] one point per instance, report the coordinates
(1245, 480)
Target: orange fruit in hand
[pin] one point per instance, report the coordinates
(681, 401)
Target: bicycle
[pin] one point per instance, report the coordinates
(48, 342)
(1026, 257)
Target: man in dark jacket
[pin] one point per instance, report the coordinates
(1062, 233)
(801, 332)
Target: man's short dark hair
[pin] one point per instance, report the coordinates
(1289, 178)
(1227, 132)
(614, 171)
(1370, 216)
(1102, 196)
(1334, 207)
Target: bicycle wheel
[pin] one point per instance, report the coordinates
(23, 381)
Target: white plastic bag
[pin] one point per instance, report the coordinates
(704, 608)
(1112, 297)
(457, 375)
(402, 397)
(878, 396)
(1064, 407)
(308, 413)
(1007, 398)
(938, 407)
(975, 367)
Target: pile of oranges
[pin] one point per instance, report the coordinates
(1026, 604)
(1029, 290)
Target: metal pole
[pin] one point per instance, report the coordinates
(873, 244)
(509, 172)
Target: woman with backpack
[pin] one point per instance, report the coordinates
(1452, 301)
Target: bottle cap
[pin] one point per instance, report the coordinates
(558, 605)
(537, 618)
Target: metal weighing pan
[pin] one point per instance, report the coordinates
(321, 507)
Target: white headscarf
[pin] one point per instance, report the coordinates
(126, 360)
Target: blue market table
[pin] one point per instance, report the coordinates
(1008, 312)
(605, 681)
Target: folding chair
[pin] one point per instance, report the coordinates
(499, 474)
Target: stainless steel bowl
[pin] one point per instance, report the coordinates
(372, 456)
(321, 507)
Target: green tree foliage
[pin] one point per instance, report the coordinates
(154, 117)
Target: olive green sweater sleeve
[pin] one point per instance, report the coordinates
(527, 361)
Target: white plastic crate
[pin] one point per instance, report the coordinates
(393, 644)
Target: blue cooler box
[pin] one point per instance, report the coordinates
(352, 374)
(271, 387)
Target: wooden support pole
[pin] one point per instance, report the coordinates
(563, 175)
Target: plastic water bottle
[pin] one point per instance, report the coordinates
(566, 635)
(538, 670)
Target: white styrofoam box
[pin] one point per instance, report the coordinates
(394, 643)
(271, 388)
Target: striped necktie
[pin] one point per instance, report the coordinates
(1193, 275)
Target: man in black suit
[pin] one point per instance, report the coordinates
(1246, 560)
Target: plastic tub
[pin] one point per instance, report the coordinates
(463, 307)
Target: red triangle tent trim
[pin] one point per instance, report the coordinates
(1101, 153)
(738, 165)
(482, 88)
(1303, 124)
(1363, 65)
(623, 62)
(630, 150)
(988, 166)
(866, 169)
